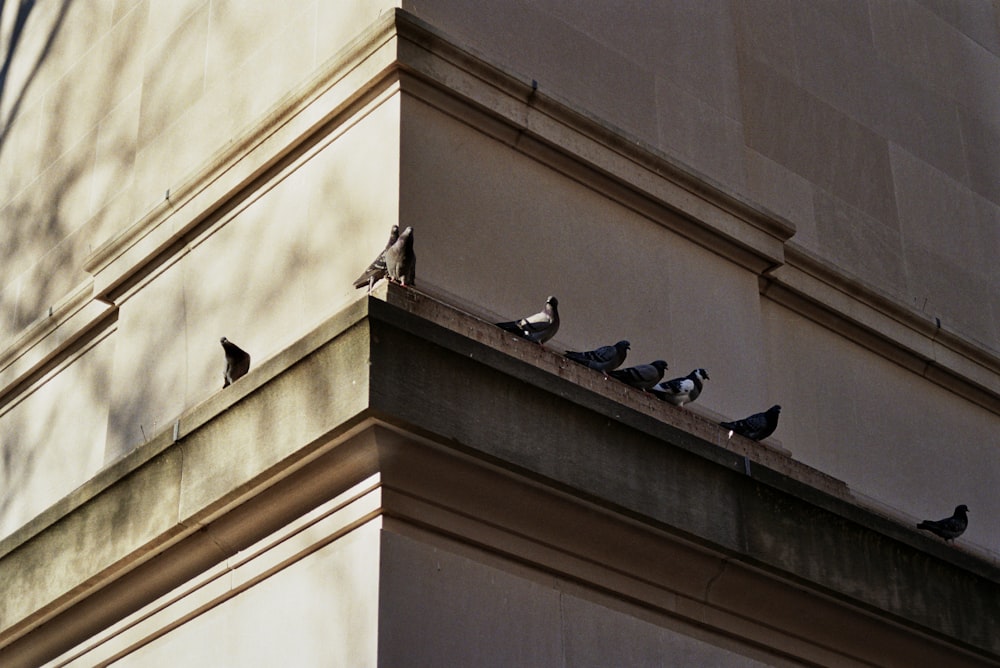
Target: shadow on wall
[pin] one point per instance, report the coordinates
(24, 10)
(53, 423)
(48, 154)
(279, 264)
(263, 273)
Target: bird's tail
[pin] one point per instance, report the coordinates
(511, 326)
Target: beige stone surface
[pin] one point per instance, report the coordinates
(440, 608)
(321, 611)
(872, 126)
(608, 498)
(915, 448)
(316, 227)
(785, 192)
(617, 274)
(53, 438)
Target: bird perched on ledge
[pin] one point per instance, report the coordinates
(641, 376)
(237, 362)
(602, 359)
(949, 528)
(539, 327)
(680, 391)
(401, 261)
(376, 271)
(756, 427)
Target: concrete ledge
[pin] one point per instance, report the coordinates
(286, 438)
(401, 53)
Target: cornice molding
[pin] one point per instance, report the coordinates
(401, 53)
(811, 286)
(51, 338)
(298, 431)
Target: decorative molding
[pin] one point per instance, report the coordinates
(231, 480)
(401, 53)
(50, 338)
(809, 285)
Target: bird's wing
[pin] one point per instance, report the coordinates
(537, 322)
(679, 385)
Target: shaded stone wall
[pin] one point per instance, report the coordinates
(799, 197)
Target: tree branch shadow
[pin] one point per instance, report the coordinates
(24, 10)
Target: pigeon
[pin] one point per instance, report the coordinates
(237, 362)
(539, 327)
(756, 427)
(949, 528)
(642, 376)
(680, 391)
(602, 359)
(376, 270)
(400, 260)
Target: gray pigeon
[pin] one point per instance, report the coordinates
(401, 261)
(237, 362)
(539, 327)
(949, 528)
(376, 271)
(756, 427)
(680, 391)
(602, 359)
(642, 376)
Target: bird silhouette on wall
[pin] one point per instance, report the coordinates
(401, 260)
(237, 362)
(376, 271)
(602, 359)
(641, 376)
(756, 427)
(680, 391)
(949, 528)
(539, 327)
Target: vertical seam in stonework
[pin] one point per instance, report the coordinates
(562, 629)
(187, 368)
(711, 582)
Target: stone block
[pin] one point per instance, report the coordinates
(566, 63)
(53, 438)
(917, 41)
(863, 246)
(167, 94)
(765, 34)
(923, 121)
(593, 635)
(439, 608)
(700, 135)
(322, 610)
(982, 151)
(781, 190)
(797, 130)
(90, 541)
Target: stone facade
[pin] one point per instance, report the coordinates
(799, 197)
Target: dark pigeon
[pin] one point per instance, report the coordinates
(642, 376)
(539, 327)
(949, 528)
(401, 261)
(680, 391)
(237, 362)
(756, 427)
(602, 359)
(376, 271)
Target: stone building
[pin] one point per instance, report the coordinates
(800, 197)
